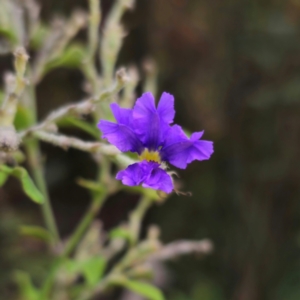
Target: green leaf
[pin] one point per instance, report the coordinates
(120, 232)
(27, 290)
(72, 57)
(2, 95)
(22, 118)
(36, 232)
(83, 125)
(9, 34)
(147, 290)
(27, 184)
(72, 266)
(3, 178)
(38, 36)
(152, 194)
(90, 185)
(93, 269)
(18, 156)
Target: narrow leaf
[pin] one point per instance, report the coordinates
(147, 290)
(3, 177)
(90, 185)
(36, 232)
(27, 290)
(93, 269)
(27, 184)
(9, 34)
(2, 95)
(120, 232)
(83, 125)
(38, 36)
(22, 118)
(72, 57)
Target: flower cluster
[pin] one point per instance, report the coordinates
(147, 130)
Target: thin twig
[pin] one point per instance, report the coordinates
(15, 86)
(66, 142)
(180, 248)
(81, 108)
(136, 217)
(84, 224)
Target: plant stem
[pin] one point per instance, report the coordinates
(137, 216)
(87, 219)
(34, 155)
(135, 222)
(36, 166)
(74, 240)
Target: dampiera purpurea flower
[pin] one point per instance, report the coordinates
(147, 130)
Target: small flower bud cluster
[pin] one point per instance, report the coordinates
(14, 87)
(21, 59)
(9, 140)
(122, 76)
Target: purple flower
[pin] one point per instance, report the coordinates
(147, 130)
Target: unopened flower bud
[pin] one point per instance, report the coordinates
(21, 58)
(122, 76)
(9, 140)
(10, 81)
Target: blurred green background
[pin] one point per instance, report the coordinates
(234, 68)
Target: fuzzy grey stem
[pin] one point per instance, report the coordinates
(82, 108)
(66, 142)
(58, 38)
(15, 89)
(180, 248)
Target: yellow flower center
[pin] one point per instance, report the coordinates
(150, 156)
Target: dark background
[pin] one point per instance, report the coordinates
(234, 68)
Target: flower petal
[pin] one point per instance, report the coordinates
(121, 136)
(137, 173)
(197, 135)
(179, 150)
(174, 135)
(147, 121)
(147, 174)
(159, 179)
(151, 124)
(122, 115)
(134, 174)
(165, 108)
